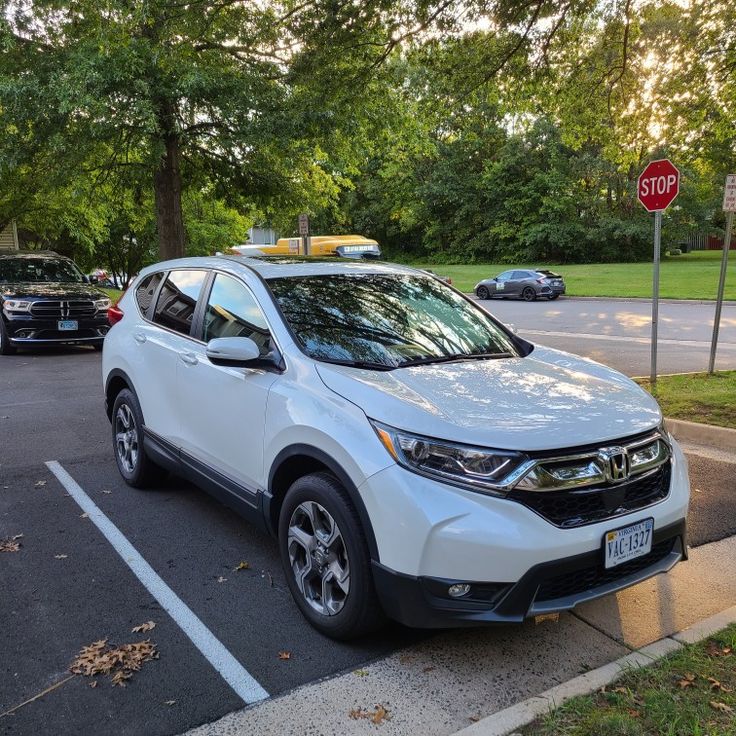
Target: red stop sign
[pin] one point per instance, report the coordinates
(658, 185)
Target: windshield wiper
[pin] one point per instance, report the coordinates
(360, 364)
(453, 358)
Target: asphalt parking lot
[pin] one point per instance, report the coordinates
(67, 586)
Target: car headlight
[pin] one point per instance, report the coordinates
(16, 305)
(479, 468)
(103, 305)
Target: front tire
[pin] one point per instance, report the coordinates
(5, 347)
(528, 295)
(137, 469)
(326, 560)
(482, 293)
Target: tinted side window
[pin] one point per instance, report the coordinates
(178, 300)
(147, 290)
(521, 275)
(232, 311)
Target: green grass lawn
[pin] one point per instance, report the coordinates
(114, 294)
(689, 276)
(698, 397)
(690, 693)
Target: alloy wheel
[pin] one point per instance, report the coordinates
(318, 558)
(126, 438)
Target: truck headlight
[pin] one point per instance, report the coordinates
(16, 305)
(480, 468)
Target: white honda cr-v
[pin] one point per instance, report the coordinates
(412, 456)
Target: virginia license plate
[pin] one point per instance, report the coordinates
(627, 543)
(68, 325)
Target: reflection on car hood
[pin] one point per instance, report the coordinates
(547, 400)
(52, 290)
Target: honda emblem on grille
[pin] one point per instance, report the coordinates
(616, 463)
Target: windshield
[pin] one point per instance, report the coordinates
(386, 321)
(38, 271)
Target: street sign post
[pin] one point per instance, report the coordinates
(729, 207)
(304, 232)
(656, 189)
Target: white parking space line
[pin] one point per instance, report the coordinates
(239, 679)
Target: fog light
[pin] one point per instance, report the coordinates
(458, 590)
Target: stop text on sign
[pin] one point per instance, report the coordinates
(658, 185)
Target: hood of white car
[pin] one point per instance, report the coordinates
(548, 400)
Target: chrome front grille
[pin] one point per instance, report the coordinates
(63, 309)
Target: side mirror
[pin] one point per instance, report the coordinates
(238, 352)
(94, 280)
(86, 279)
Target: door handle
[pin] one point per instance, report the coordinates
(189, 358)
(139, 337)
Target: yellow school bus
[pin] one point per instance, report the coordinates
(343, 246)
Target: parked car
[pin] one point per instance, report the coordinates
(46, 300)
(411, 455)
(526, 284)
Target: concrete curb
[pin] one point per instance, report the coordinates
(517, 716)
(710, 435)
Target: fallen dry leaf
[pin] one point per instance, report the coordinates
(284, 655)
(721, 706)
(93, 683)
(713, 649)
(377, 716)
(633, 713)
(428, 669)
(242, 565)
(474, 719)
(120, 662)
(142, 628)
(687, 681)
(621, 690)
(716, 685)
(60, 557)
(10, 544)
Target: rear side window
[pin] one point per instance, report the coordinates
(232, 311)
(146, 291)
(178, 300)
(519, 275)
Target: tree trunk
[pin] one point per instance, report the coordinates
(167, 187)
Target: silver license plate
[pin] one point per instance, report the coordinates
(627, 543)
(67, 325)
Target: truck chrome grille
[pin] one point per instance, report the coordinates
(63, 309)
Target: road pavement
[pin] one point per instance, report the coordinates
(67, 586)
(617, 332)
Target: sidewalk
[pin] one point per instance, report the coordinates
(451, 680)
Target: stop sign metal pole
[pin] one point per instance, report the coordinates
(655, 295)
(657, 187)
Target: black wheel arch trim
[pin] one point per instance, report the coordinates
(115, 373)
(338, 471)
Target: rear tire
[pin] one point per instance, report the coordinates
(136, 467)
(5, 347)
(482, 293)
(326, 560)
(528, 295)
